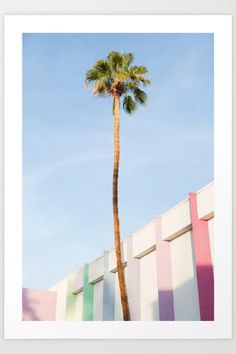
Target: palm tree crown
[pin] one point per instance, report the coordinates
(115, 76)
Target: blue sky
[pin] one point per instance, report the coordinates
(166, 147)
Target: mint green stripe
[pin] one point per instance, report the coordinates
(70, 303)
(87, 296)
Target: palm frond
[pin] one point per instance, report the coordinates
(101, 88)
(129, 104)
(137, 74)
(115, 60)
(102, 66)
(131, 85)
(139, 70)
(91, 75)
(128, 59)
(99, 71)
(140, 96)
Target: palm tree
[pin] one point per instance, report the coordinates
(115, 77)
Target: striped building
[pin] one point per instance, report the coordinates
(169, 268)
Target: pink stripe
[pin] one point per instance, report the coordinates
(204, 267)
(165, 288)
(38, 305)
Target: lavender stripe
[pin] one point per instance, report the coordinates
(133, 282)
(165, 288)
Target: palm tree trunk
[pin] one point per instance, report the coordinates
(120, 269)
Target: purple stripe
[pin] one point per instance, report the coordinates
(165, 288)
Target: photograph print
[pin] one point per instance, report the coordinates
(118, 177)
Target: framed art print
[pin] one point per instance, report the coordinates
(118, 150)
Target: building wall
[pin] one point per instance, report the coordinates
(98, 301)
(211, 234)
(61, 290)
(79, 307)
(38, 305)
(168, 268)
(149, 288)
(185, 290)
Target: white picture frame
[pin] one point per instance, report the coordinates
(15, 26)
